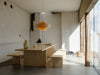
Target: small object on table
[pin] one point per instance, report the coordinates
(35, 46)
(25, 44)
(39, 41)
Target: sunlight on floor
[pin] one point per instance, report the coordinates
(73, 60)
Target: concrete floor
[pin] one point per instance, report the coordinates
(70, 67)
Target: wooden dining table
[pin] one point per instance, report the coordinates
(37, 55)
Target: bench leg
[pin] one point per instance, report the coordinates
(16, 60)
(57, 62)
(49, 63)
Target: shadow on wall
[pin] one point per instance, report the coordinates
(72, 40)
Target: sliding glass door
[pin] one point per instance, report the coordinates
(95, 36)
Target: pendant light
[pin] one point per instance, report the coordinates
(42, 25)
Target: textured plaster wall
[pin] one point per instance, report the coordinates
(13, 22)
(53, 34)
(70, 31)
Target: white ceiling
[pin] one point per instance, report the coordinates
(48, 5)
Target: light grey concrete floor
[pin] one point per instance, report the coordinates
(70, 67)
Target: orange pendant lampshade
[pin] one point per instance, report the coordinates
(42, 26)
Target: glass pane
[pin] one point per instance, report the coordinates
(91, 35)
(95, 36)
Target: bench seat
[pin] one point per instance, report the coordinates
(56, 60)
(16, 54)
(16, 57)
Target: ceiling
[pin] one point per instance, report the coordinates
(48, 5)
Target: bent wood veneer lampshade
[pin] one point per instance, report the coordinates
(42, 26)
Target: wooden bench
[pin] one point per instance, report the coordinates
(56, 59)
(49, 62)
(16, 57)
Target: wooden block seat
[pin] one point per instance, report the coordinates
(56, 60)
(16, 57)
(49, 62)
(61, 52)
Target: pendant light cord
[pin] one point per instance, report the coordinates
(42, 36)
(42, 5)
(43, 13)
(42, 16)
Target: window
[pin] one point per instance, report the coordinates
(95, 36)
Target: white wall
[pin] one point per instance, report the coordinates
(64, 31)
(12, 23)
(70, 31)
(53, 34)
